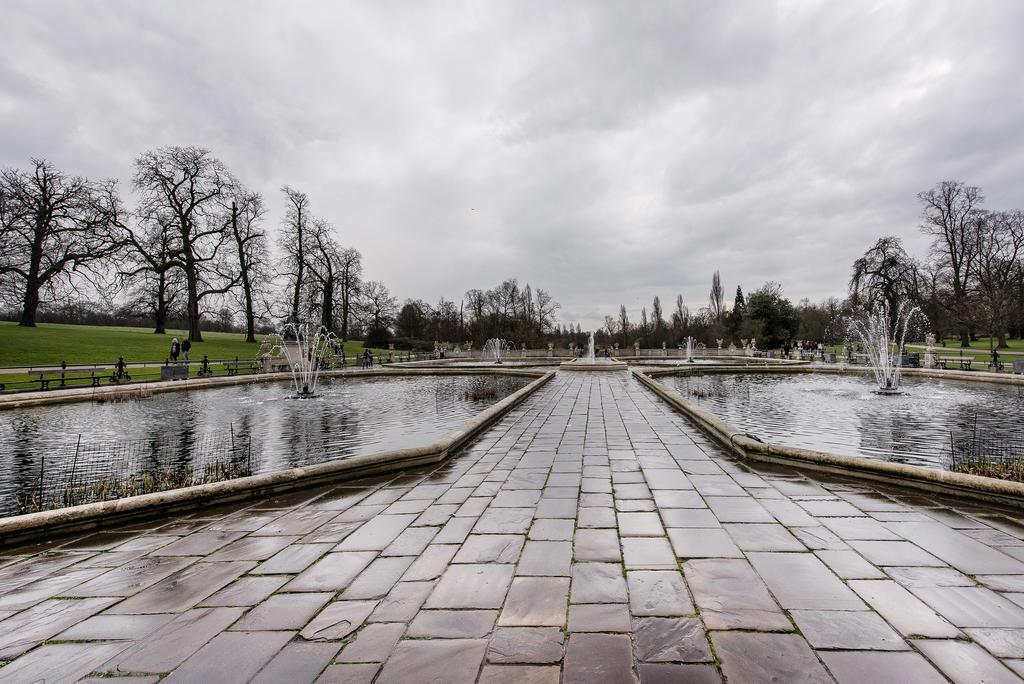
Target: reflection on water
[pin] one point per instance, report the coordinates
(841, 414)
(349, 416)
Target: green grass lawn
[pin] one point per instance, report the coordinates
(48, 344)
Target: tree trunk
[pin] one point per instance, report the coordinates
(30, 306)
(160, 311)
(192, 281)
(328, 305)
(300, 259)
(344, 310)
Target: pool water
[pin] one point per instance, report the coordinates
(842, 414)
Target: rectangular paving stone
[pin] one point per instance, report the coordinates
(378, 578)
(965, 662)
(689, 517)
(283, 612)
(767, 657)
(297, 662)
(957, 549)
(606, 658)
(338, 620)
(885, 553)
(859, 528)
(640, 525)
(60, 662)
(292, 559)
(545, 558)
(440, 660)
(703, 543)
(848, 564)
(130, 578)
(596, 545)
(58, 583)
(520, 674)
(848, 630)
(852, 667)
(333, 572)
(552, 529)
(411, 542)
(972, 606)
(738, 509)
(402, 602)
(115, 627)
(601, 617)
(732, 596)
(763, 537)
(168, 647)
(1002, 643)
(504, 521)
(658, 593)
(231, 657)
(490, 548)
(184, 589)
(668, 498)
(557, 508)
(472, 586)
(376, 533)
(526, 645)
(648, 553)
(246, 591)
(373, 643)
(431, 563)
(800, 580)
(452, 624)
(826, 508)
(536, 602)
(252, 548)
(596, 517)
(598, 583)
(668, 639)
(908, 614)
(42, 621)
(198, 544)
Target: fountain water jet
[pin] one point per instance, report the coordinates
(305, 353)
(590, 356)
(689, 350)
(883, 337)
(495, 348)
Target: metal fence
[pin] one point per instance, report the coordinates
(84, 472)
(1000, 456)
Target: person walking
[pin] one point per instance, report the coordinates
(175, 349)
(185, 346)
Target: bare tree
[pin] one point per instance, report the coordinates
(378, 304)
(716, 299)
(350, 278)
(998, 247)
(949, 213)
(623, 325)
(294, 239)
(51, 226)
(323, 262)
(191, 185)
(247, 213)
(150, 268)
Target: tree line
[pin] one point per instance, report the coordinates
(195, 249)
(970, 282)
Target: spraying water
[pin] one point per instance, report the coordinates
(590, 356)
(305, 352)
(495, 349)
(883, 337)
(689, 350)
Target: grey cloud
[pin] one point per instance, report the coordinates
(607, 151)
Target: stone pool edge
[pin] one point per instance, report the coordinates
(21, 529)
(990, 490)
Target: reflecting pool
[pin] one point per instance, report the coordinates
(841, 414)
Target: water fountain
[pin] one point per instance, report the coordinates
(495, 349)
(305, 352)
(883, 337)
(590, 362)
(689, 350)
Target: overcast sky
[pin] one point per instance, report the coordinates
(607, 152)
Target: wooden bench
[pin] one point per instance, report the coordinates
(234, 366)
(63, 377)
(963, 361)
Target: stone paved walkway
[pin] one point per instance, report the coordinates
(592, 536)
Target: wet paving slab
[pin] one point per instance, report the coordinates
(591, 535)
